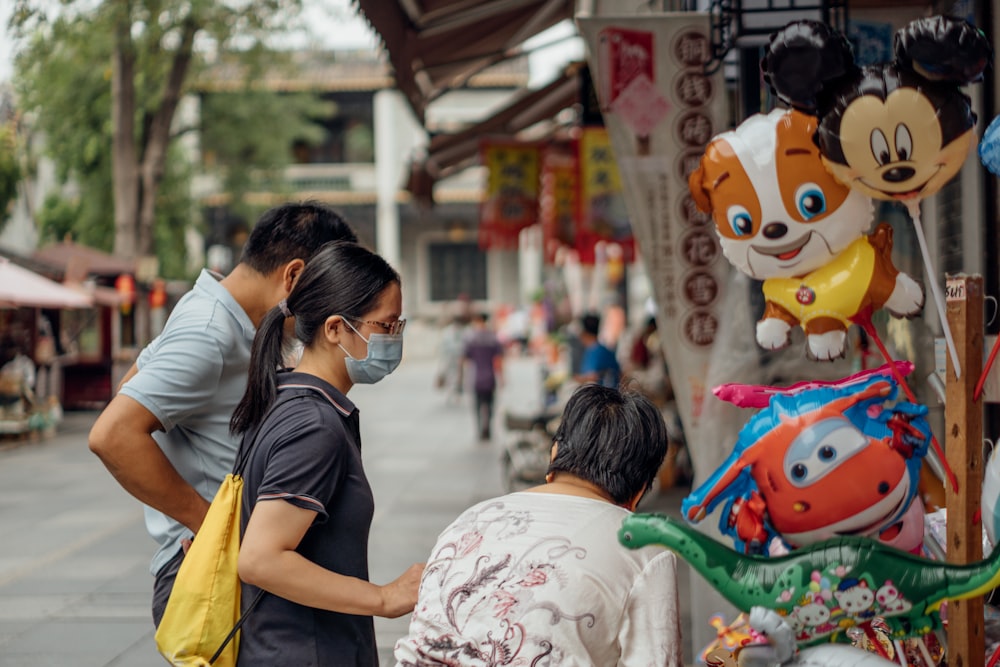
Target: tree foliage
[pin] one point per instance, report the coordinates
(10, 170)
(105, 80)
(274, 122)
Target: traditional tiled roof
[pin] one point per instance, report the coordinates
(73, 257)
(333, 71)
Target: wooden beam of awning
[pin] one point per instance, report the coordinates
(452, 152)
(437, 45)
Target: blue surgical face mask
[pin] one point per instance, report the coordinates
(385, 351)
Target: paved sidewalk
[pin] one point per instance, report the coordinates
(74, 580)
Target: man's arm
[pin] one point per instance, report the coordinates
(122, 438)
(128, 376)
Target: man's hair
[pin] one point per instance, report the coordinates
(613, 438)
(293, 231)
(590, 323)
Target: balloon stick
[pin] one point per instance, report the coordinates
(913, 206)
(924, 653)
(865, 323)
(900, 653)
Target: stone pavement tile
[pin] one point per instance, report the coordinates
(10, 629)
(84, 576)
(387, 631)
(77, 644)
(134, 605)
(35, 606)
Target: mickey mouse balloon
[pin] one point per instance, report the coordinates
(895, 131)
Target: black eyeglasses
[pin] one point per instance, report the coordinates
(391, 328)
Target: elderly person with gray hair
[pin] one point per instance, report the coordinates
(540, 575)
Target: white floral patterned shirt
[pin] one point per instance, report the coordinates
(541, 579)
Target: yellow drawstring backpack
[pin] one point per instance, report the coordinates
(201, 622)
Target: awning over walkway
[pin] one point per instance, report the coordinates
(450, 153)
(21, 288)
(436, 45)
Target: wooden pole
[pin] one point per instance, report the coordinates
(964, 452)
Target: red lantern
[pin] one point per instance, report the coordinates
(125, 285)
(158, 295)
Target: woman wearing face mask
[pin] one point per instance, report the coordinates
(307, 504)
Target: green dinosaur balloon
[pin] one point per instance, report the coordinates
(824, 588)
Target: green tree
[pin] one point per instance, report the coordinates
(10, 170)
(274, 121)
(144, 50)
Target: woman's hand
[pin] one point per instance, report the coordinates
(400, 596)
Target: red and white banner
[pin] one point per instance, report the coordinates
(660, 109)
(558, 204)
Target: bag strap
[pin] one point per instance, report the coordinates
(243, 455)
(236, 628)
(241, 461)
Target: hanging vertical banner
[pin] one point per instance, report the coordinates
(557, 209)
(511, 191)
(603, 212)
(660, 109)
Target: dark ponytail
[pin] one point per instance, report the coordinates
(342, 278)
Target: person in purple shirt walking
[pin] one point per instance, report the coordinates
(484, 354)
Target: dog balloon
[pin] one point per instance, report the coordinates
(784, 219)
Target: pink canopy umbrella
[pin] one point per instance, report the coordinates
(21, 288)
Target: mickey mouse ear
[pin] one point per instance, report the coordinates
(943, 48)
(801, 58)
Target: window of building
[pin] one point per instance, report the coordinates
(456, 269)
(348, 134)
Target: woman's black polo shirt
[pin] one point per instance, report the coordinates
(308, 453)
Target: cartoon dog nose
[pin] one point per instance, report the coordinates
(898, 174)
(775, 230)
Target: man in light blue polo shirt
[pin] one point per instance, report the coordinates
(165, 435)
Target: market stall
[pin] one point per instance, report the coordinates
(829, 540)
(26, 346)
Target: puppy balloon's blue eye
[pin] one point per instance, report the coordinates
(810, 200)
(739, 220)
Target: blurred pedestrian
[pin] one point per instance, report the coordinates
(484, 355)
(539, 577)
(450, 377)
(165, 435)
(307, 504)
(599, 364)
